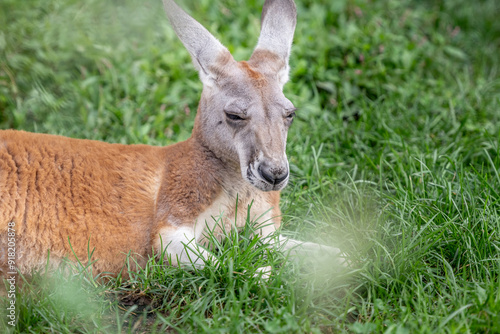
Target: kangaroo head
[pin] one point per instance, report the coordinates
(243, 116)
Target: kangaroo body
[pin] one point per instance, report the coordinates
(70, 195)
(98, 201)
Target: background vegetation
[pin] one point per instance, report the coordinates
(395, 158)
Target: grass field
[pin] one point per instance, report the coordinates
(395, 158)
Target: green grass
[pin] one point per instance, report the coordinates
(395, 157)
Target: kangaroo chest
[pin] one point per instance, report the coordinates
(234, 210)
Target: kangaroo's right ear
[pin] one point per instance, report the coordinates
(279, 18)
(206, 51)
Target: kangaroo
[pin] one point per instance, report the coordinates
(62, 197)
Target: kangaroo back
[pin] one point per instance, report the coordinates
(63, 193)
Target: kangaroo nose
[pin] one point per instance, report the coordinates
(273, 175)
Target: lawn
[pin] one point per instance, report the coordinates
(394, 156)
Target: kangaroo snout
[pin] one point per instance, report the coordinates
(273, 174)
(267, 174)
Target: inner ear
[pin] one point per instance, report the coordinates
(279, 18)
(270, 63)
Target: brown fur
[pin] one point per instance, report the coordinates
(110, 197)
(72, 197)
(266, 61)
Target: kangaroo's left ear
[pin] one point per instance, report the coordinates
(279, 18)
(207, 52)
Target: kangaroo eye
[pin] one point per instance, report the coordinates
(234, 117)
(291, 115)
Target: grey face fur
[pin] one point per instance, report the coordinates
(243, 116)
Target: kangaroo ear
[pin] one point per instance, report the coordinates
(207, 52)
(278, 21)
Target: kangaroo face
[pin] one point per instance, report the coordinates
(245, 118)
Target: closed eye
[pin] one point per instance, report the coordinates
(234, 117)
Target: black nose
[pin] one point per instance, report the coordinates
(273, 175)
